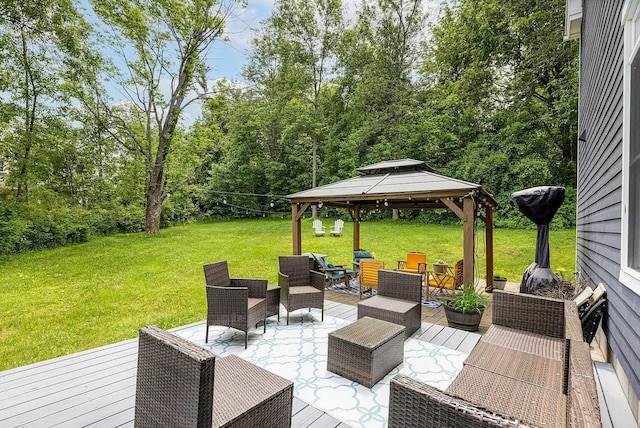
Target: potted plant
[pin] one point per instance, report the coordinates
(464, 311)
(499, 281)
(440, 267)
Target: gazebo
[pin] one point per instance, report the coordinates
(406, 184)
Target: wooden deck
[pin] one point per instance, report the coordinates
(96, 388)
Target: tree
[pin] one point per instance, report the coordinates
(42, 48)
(503, 71)
(378, 57)
(163, 46)
(300, 38)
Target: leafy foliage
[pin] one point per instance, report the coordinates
(468, 299)
(487, 93)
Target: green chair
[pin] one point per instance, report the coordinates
(359, 255)
(335, 273)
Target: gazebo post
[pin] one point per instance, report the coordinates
(355, 216)
(469, 209)
(489, 244)
(297, 230)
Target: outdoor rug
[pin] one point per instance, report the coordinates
(298, 352)
(355, 286)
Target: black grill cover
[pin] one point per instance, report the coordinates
(539, 204)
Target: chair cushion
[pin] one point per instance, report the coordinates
(253, 301)
(388, 303)
(545, 346)
(303, 289)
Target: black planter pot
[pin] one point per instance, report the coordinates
(498, 283)
(468, 320)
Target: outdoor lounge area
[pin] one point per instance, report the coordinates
(98, 387)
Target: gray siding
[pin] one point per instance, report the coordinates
(600, 176)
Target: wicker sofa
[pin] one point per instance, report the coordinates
(398, 300)
(180, 384)
(531, 368)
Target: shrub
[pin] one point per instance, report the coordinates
(34, 226)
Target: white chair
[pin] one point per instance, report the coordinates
(318, 228)
(336, 230)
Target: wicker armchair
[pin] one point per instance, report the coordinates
(300, 287)
(180, 384)
(234, 302)
(398, 300)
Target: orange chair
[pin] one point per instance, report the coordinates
(368, 274)
(450, 281)
(416, 263)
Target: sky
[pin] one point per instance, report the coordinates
(229, 54)
(228, 57)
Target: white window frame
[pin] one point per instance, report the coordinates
(631, 22)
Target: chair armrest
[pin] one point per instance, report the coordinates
(257, 287)
(317, 280)
(402, 264)
(422, 268)
(413, 403)
(338, 268)
(535, 314)
(572, 327)
(227, 299)
(283, 282)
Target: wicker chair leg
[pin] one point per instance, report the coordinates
(206, 335)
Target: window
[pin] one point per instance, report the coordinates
(630, 257)
(634, 167)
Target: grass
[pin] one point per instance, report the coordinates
(87, 295)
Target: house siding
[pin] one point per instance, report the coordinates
(600, 177)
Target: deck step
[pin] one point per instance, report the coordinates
(614, 407)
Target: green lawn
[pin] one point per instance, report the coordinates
(82, 296)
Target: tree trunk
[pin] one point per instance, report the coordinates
(154, 196)
(314, 169)
(153, 211)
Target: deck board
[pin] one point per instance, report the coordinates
(431, 332)
(442, 337)
(614, 408)
(96, 387)
(469, 343)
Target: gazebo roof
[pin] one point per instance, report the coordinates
(405, 184)
(394, 181)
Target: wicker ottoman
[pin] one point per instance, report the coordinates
(366, 350)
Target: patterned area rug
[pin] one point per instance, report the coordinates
(298, 352)
(355, 286)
